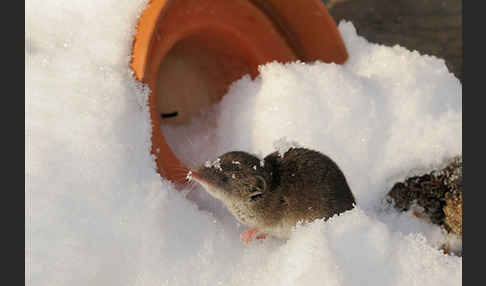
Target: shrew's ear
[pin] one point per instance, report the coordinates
(270, 161)
(260, 184)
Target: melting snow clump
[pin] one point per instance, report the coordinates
(282, 145)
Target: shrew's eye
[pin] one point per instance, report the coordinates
(256, 196)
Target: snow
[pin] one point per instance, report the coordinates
(282, 145)
(97, 213)
(216, 164)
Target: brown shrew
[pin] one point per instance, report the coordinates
(272, 195)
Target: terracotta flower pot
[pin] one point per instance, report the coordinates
(189, 51)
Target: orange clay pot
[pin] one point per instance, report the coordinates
(189, 51)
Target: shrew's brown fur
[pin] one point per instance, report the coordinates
(273, 195)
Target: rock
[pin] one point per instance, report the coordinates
(435, 197)
(453, 207)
